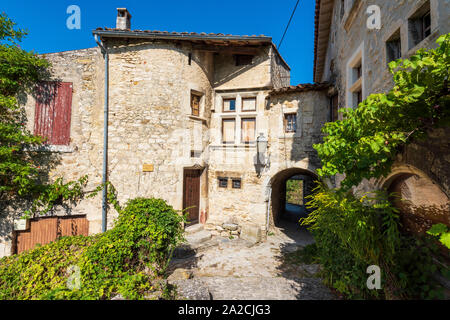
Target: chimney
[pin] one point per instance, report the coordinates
(123, 21)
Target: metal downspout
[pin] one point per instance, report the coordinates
(105, 133)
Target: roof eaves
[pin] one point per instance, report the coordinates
(149, 34)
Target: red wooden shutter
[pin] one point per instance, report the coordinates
(53, 112)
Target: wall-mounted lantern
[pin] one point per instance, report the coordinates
(261, 148)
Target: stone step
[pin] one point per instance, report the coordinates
(193, 228)
(198, 237)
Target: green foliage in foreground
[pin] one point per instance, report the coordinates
(24, 170)
(129, 259)
(364, 144)
(441, 231)
(353, 233)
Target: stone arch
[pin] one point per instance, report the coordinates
(277, 187)
(421, 201)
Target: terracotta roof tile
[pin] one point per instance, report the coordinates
(301, 88)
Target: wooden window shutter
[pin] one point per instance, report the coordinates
(195, 104)
(248, 130)
(53, 112)
(228, 127)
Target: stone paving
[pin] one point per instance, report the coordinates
(228, 269)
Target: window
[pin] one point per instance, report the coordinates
(248, 128)
(189, 58)
(223, 182)
(355, 78)
(419, 25)
(195, 104)
(53, 112)
(334, 107)
(342, 9)
(248, 104)
(357, 98)
(394, 47)
(228, 127)
(290, 122)
(236, 183)
(243, 59)
(229, 105)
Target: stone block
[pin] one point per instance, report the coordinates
(251, 233)
(230, 226)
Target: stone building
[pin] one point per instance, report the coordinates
(184, 114)
(210, 122)
(353, 58)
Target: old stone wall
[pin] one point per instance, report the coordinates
(348, 36)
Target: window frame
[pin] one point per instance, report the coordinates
(233, 180)
(200, 96)
(286, 121)
(248, 98)
(243, 119)
(234, 131)
(229, 99)
(221, 179)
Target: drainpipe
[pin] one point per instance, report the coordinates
(105, 133)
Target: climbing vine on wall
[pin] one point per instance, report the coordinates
(364, 144)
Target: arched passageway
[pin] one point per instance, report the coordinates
(289, 189)
(420, 200)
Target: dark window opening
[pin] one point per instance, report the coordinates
(243, 59)
(189, 58)
(394, 47)
(334, 107)
(419, 25)
(236, 183)
(223, 182)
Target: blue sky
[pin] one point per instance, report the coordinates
(46, 23)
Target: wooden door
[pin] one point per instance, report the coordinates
(191, 193)
(47, 229)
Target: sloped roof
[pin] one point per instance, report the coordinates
(301, 88)
(322, 21)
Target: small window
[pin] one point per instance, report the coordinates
(394, 47)
(419, 25)
(189, 58)
(290, 122)
(248, 104)
(228, 129)
(342, 9)
(236, 183)
(195, 104)
(357, 98)
(223, 182)
(248, 130)
(243, 59)
(229, 105)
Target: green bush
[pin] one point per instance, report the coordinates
(353, 233)
(129, 259)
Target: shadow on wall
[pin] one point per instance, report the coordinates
(421, 202)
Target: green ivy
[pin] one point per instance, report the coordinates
(131, 259)
(441, 231)
(364, 144)
(24, 170)
(354, 232)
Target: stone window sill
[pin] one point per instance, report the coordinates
(197, 118)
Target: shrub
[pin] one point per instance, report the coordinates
(354, 232)
(129, 259)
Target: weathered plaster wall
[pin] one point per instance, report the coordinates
(229, 76)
